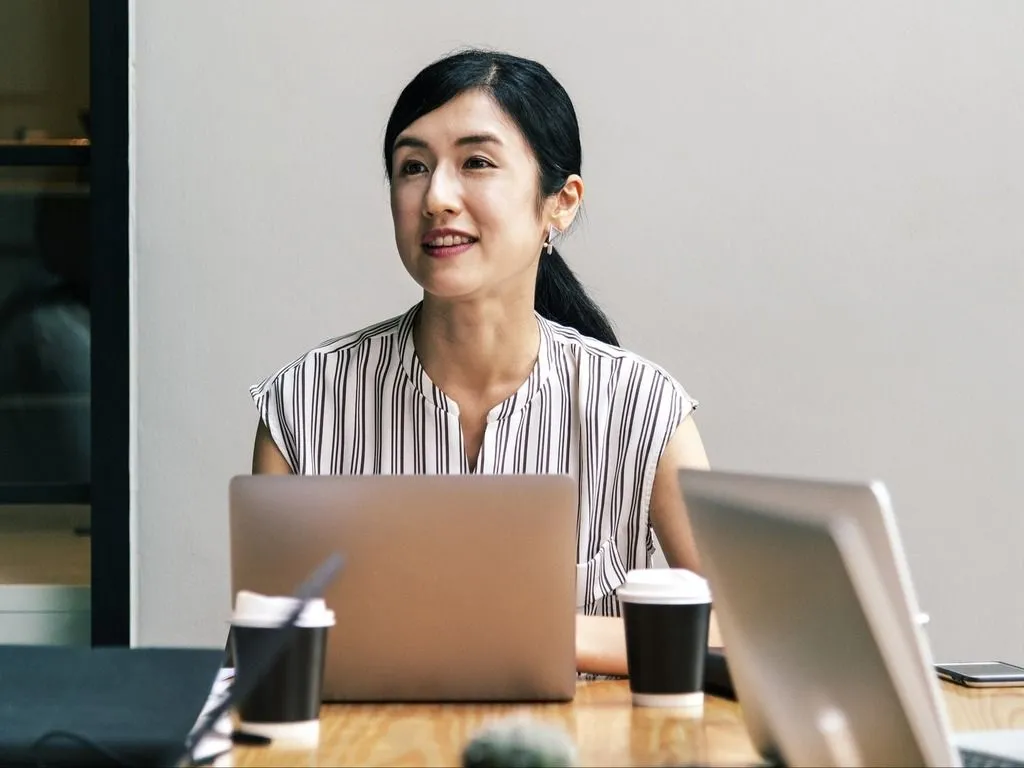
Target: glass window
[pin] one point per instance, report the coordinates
(45, 322)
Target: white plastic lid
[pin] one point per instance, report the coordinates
(255, 610)
(672, 586)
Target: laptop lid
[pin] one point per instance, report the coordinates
(457, 588)
(815, 607)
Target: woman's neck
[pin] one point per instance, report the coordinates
(477, 346)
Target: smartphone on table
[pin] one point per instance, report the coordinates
(982, 674)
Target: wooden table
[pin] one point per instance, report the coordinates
(606, 727)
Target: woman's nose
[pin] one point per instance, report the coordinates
(443, 195)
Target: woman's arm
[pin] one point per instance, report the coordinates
(267, 458)
(601, 641)
(601, 645)
(668, 511)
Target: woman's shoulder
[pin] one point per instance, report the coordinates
(384, 332)
(626, 365)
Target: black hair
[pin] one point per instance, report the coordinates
(542, 110)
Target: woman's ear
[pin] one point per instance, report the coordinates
(567, 203)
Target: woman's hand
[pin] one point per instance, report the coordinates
(601, 645)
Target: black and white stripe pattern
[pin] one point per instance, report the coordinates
(363, 404)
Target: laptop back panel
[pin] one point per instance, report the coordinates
(457, 588)
(816, 614)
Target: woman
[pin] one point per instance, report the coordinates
(506, 365)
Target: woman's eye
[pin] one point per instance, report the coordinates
(413, 167)
(475, 163)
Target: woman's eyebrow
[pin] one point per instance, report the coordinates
(479, 138)
(473, 139)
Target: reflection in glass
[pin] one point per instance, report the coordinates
(44, 246)
(45, 328)
(44, 333)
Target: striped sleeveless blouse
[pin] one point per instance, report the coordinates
(363, 404)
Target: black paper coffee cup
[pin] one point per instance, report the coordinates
(666, 612)
(285, 703)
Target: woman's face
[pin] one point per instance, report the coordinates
(464, 195)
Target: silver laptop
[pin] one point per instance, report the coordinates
(456, 588)
(817, 611)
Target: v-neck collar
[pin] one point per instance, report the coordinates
(435, 396)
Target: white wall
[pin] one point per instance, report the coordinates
(810, 212)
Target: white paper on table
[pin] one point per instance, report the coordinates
(217, 741)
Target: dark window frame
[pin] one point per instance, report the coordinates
(13, 153)
(110, 308)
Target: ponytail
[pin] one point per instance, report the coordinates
(561, 298)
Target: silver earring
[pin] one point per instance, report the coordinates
(549, 244)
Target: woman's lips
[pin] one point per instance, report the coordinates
(447, 251)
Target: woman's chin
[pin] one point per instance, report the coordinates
(449, 288)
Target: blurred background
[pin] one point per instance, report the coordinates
(45, 321)
(809, 212)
